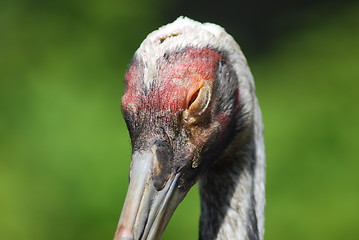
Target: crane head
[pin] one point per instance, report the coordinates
(182, 107)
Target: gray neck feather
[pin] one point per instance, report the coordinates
(232, 191)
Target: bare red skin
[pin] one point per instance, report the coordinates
(178, 77)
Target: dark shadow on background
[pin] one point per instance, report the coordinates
(257, 24)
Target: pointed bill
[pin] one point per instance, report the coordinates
(147, 210)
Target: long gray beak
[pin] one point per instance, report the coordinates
(151, 198)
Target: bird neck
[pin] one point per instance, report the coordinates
(232, 190)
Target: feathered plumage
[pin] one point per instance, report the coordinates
(192, 113)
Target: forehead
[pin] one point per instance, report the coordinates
(166, 84)
(192, 61)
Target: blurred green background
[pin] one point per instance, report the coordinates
(64, 148)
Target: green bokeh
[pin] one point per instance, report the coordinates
(65, 150)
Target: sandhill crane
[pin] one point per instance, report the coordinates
(192, 114)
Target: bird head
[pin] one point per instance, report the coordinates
(183, 106)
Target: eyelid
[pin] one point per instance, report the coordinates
(194, 95)
(197, 108)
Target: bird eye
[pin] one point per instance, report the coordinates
(198, 104)
(193, 97)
